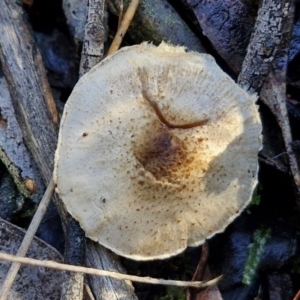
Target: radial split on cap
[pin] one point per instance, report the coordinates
(157, 151)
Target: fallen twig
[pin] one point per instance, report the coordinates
(267, 34)
(273, 93)
(123, 26)
(88, 292)
(265, 66)
(297, 297)
(94, 36)
(120, 276)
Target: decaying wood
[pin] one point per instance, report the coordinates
(31, 94)
(28, 86)
(106, 288)
(227, 24)
(74, 283)
(116, 275)
(94, 36)
(268, 32)
(274, 91)
(76, 14)
(265, 66)
(13, 152)
(14, 268)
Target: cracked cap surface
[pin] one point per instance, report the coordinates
(157, 151)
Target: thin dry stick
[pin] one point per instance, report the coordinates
(124, 26)
(91, 271)
(297, 297)
(94, 36)
(88, 292)
(14, 268)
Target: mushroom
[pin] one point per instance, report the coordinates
(157, 151)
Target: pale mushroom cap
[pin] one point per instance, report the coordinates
(157, 151)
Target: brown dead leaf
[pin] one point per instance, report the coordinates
(203, 273)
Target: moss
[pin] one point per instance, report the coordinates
(260, 238)
(256, 198)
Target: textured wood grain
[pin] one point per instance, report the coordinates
(107, 288)
(13, 152)
(29, 88)
(267, 35)
(32, 100)
(94, 36)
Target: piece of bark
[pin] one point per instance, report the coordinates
(274, 95)
(267, 35)
(228, 25)
(106, 288)
(156, 21)
(94, 36)
(266, 64)
(31, 94)
(76, 14)
(75, 252)
(274, 90)
(269, 42)
(28, 86)
(13, 152)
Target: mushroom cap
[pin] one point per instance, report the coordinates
(157, 151)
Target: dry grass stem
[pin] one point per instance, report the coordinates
(90, 271)
(126, 21)
(12, 272)
(88, 292)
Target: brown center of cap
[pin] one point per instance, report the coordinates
(163, 155)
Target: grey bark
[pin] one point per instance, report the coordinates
(106, 288)
(94, 36)
(13, 152)
(267, 35)
(156, 21)
(274, 92)
(265, 68)
(32, 99)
